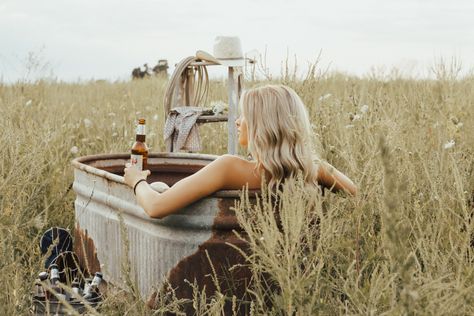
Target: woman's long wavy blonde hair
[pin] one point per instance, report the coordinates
(279, 134)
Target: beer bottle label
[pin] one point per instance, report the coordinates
(96, 281)
(137, 161)
(54, 274)
(141, 129)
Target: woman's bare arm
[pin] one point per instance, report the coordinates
(335, 180)
(220, 174)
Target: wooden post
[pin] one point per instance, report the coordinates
(234, 91)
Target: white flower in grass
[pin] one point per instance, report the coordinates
(449, 144)
(87, 123)
(324, 97)
(262, 239)
(357, 117)
(38, 222)
(155, 117)
(364, 108)
(28, 103)
(74, 150)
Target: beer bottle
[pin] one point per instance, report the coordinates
(97, 279)
(87, 287)
(55, 288)
(139, 155)
(76, 290)
(93, 294)
(40, 294)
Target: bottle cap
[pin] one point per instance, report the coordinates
(43, 275)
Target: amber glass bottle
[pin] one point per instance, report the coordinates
(139, 155)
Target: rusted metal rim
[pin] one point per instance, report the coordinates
(81, 163)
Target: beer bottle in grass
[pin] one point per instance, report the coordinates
(56, 290)
(139, 155)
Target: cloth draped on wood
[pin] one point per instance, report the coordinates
(181, 131)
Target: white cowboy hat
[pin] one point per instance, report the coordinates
(227, 52)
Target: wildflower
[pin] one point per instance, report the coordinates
(87, 123)
(449, 144)
(38, 222)
(364, 109)
(357, 117)
(74, 150)
(262, 239)
(28, 103)
(155, 117)
(324, 97)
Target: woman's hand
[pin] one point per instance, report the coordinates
(132, 174)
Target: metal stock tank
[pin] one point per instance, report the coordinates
(178, 247)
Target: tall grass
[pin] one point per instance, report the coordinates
(402, 246)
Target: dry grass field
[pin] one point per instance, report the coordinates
(403, 246)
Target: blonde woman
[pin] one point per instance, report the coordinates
(274, 127)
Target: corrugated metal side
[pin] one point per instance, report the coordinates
(155, 246)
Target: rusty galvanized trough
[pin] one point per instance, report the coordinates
(172, 248)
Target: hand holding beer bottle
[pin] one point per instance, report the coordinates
(136, 169)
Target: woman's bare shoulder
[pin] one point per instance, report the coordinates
(240, 172)
(236, 161)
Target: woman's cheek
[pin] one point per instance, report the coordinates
(243, 139)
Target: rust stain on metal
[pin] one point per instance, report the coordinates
(86, 251)
(198, 268)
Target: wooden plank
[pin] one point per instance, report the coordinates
(212, 118)
(234, 87)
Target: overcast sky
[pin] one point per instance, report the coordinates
(106, 39)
